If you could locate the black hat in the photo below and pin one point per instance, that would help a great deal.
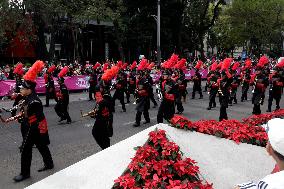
(28, 85)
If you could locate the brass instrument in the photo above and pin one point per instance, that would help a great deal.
(254, 84)
(159, 92)
(91, 113)
(15, 107)
(220, 90)
(14, 118)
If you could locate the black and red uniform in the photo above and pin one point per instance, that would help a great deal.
(35, 132)
(167, 106)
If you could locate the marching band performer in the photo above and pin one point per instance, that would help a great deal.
(49, 85)
(131, 81)
(197, 81)
(103, 111)
(142, 95)
(245, 77)
(62, 98)
(119, 90)
(93, 80)
(213, 86)
(150, 84)
(19, 72)
(259, 83)
(276, 81)
(224, 83)
(33, 123)
(167, 106)
(235, 84)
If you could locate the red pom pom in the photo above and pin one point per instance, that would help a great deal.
(110, 73)
(97, 65)
(143, 64)
(213, 67)
(133, 66)
(235, 66)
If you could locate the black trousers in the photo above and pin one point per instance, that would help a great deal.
(139, 114)
(62, 111)
(270, 100)
(152, 98)
(233, 97)
(102, 140)
(120, 96)
(166, 111)
(223, 113)
(197, 89)
(26, 156)
(245, 93)
(256, 109)
(91, 92)
(212, 100)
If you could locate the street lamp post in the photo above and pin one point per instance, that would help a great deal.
(159, 34)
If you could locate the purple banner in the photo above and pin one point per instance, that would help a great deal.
(73, 83)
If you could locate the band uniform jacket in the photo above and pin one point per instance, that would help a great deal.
(259, 84)
(142, 92)
(103, 123)
(34, 123)
(276, 85)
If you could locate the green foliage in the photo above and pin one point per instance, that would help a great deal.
(258, 22)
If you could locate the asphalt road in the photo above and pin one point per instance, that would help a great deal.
(74, 142)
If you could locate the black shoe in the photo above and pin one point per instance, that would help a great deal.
(145, 122)
(61, 119)
(124, 110)
(268, 110)
(192, 97)
(21, 177)
(136, 125)
(201, 97)
(45, 168)
(235, 102)
(90, 99)
(68, 122)
(209, 108)
(128, 101)
(242, 100)
(46, 105)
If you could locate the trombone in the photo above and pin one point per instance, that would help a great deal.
(14, 118)
(15, 107)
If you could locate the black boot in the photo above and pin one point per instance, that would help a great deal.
(45, 167)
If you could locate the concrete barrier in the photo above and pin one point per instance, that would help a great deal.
(222, 162)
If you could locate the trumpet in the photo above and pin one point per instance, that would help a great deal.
(21, 103)
(91, 113)
(14, 118)
(220, 90)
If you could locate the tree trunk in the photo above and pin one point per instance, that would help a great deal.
(52, 44)
(118, 40)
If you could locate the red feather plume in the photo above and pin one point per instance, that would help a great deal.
(36, 68)
(235, 66)
(51, 69)
(219, 65)
(280, 64)
(110, 73)
(263, 61)
(199, 65)
(120, 64)
(105, 67)
(133, 66)
(150, 67)
(181, 63)
(214, 66)
(124, 66)
(248, 64)
(226, 63)
(63, 72)
(97, 65)
(18, 68)
(142, 64)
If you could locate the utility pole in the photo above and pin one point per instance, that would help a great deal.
(159, 34)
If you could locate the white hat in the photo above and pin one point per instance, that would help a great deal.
(275, 131)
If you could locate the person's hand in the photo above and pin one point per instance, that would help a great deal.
(237, 187)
